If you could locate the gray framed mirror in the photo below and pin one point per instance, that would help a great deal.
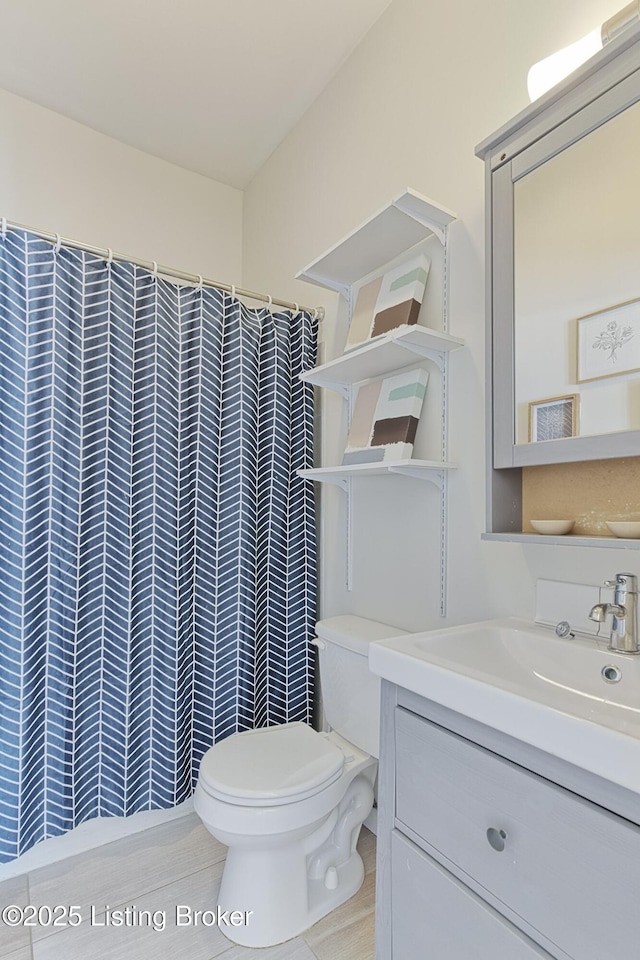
(563, 206)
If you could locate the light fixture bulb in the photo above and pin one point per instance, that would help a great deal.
(546, 73)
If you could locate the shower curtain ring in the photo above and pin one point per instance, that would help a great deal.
(56, 249)
(109, 256)
(155, 269)
(200, 282)
(296, 306)
(269, 303)
(233, 290)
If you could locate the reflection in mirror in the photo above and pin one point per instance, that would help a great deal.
(577, 287)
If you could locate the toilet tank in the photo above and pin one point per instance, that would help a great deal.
(350, 692)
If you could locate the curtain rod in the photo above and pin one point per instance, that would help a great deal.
(156, 268)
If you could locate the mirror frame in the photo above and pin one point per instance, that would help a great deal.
(608, 84)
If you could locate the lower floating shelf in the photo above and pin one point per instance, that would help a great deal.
(567, 539)
(431, 470)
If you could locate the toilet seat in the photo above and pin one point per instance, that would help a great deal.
(288, 802)
(271, 766)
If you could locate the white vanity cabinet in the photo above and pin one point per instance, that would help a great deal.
(490, 850)
(436, 916)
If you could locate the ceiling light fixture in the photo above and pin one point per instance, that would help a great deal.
(546, 73)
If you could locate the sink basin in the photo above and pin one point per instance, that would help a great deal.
(522, 679)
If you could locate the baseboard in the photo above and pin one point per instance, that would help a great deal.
(88, 836)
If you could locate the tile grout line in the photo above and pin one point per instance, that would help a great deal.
(310, 948)
(28, 885)
(129, 900)
(99, 848)
(96, 852)
(202, 870)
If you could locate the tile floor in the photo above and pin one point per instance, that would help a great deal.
(175, 863)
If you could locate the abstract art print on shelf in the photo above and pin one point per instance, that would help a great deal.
(555, 418)
(385, 418)
(388, 301)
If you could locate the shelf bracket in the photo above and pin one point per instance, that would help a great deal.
(436, 477)
(438, 231)
(329, 283)
(342, 388)
(342, 482)
(436, 355)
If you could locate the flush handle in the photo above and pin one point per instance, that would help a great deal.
(496, 838)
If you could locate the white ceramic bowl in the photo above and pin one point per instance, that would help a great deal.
(552, 527)
(624, 528)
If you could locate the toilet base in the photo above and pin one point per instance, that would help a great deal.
(350, 879)
(285, 885)
(275, 922)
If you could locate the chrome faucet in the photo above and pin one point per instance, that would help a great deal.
(624, 611)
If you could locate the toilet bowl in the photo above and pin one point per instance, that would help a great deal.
(289, 801)
(292, 854)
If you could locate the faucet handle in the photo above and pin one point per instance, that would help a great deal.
(628, 580)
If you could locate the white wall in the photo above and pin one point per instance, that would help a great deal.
(428, 82)
(60, 176)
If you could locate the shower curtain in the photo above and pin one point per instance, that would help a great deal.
(157, 551)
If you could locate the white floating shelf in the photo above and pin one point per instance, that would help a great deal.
(407, 220)
(431, 470)
(392, 351)
(567, 540)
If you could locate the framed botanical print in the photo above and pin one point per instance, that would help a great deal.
(609, 342)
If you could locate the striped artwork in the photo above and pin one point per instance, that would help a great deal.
(385, 418)
(389, 301)
(158, 553)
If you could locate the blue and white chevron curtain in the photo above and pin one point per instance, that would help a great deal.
(157, 587)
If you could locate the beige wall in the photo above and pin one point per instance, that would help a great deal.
(429, 81)
(61, 176)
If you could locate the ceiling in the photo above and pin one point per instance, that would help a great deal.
(211, 85)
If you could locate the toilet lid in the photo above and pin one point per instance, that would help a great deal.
(271, 765)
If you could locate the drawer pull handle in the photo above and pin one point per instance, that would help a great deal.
(496, 838)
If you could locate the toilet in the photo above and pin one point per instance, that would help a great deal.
(289, 801)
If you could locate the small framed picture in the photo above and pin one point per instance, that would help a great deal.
(554, 418)
(609, 342)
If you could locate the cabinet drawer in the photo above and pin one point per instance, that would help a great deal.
(568, 867)
(436, 916)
